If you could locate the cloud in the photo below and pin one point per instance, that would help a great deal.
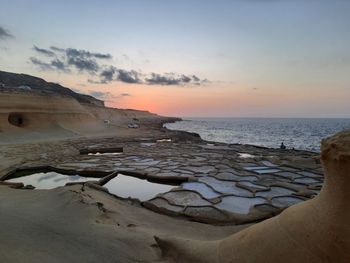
(72, 52)
(58, 64)
(185, 79)
(107, 74)
(92, 81)
(43, 51)
(80, 53)
(162, 79)
(172, 79)
(41, 64)
(82, 60)
(131, 76)
(58, 49)
(195, 78)
(70, 59)
(5, 33)
(55, 64)
(82, 64)
(113, 74)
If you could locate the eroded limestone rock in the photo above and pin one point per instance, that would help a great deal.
(313, 231)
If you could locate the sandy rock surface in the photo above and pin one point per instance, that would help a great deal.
(313, 231)
(213, 184)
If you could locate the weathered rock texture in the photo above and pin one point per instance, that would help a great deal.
(215, 185)
(313, 231)
(32, 109)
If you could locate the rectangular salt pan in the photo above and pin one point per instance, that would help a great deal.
(239, 205)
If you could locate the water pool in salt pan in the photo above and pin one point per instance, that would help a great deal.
(128, 186)
(50, 180)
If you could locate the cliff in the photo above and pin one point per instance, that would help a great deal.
(32, 109)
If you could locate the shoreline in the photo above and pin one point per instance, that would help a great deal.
(252, 131)
(238, 144)
(123, 224)
(190, 140)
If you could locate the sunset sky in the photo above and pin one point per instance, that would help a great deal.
(237, 58)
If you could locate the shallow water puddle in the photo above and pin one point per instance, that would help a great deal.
(239, 205)
(147, 144)
(275, 191)
(201, 188)
(285, 201)
(262, 169)
(50, 180)
(164, 140)
(245, 155)
(225, 187)
(107, 154)
(128, 186)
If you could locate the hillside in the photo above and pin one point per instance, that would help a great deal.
(13, 82)
(32, 109)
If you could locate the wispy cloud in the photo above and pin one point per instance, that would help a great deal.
(70, 59)
(172, 79)
(4, 33)
(72, 52)
(83, 64)
(132, 76)
(107, 75)
(55, 64)
(66, 58)
(112, 73)
(60, 65)
(126, 76)
(57, 49)
(44, 51)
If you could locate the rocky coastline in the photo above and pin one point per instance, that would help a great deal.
(216, 189)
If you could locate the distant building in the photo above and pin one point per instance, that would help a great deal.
(133, 126)
(24, 87)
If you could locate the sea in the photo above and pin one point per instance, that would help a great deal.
(301, 134)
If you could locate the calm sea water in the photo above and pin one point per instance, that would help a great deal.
(303, 134)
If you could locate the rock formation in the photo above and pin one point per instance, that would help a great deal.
(317, 230)
(33, 109)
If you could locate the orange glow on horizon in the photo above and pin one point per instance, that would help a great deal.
(224, 100)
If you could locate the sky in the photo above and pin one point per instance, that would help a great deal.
(188, 58)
